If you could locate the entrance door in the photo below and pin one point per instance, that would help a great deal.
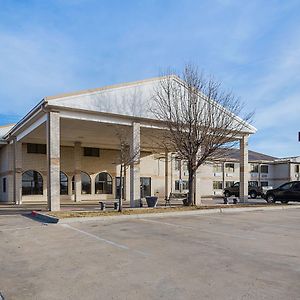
(145, 186)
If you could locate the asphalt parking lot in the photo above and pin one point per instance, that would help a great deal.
(249, 255)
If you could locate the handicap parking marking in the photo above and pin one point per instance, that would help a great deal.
(112, 243)
(199, 230)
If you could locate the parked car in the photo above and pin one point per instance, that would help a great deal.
(289, 191)
(253, 190)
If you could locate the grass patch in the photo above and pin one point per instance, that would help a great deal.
(135, 211)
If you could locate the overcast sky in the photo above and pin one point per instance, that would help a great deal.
(253, 47)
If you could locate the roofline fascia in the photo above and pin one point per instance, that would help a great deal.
(17, 126)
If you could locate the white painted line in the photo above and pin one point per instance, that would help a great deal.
(18, 228)
(200, 230)
(102, 239)
(195, 228)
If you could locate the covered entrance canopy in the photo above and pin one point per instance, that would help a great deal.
(97, 118)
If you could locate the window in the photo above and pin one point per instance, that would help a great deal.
(85, 183)
(253, 183)
(264, 183)
(296, 186)
(217, 185)
(118, 188)
(184, 167)
(264, 169)
(254, 168)
(184, 185)
(63, 184)
(286, 186)
(297, 168)
(91, 151)
(145, 186)
(32, 183)
(177, 164)
(103, 183)
(4, 185)
(229, 184)
(217, 168)
(229, 168)
(36, 148)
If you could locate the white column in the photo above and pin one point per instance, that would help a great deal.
(53, 160)
(244, 169)
(166, 175)
(77, 168)
(135, 192)
(17, 169)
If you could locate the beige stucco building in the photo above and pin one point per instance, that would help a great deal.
(67, 147)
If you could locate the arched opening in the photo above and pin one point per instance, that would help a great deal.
(85, 183)
(32, 183)
(63, 183)
(103, 183)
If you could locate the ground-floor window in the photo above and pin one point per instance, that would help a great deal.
(63, 183)
(184, 185)
(4, 185)
(32, 183)
(229, 184)
(103, 183)
(85, 183)
(264, 183)
(118, 188)
(217, 185)
(145, 186)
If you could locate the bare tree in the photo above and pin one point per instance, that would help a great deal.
(126, 157)
(202, 119)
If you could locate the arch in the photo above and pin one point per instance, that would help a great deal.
(85, 183)
(103, 183)
(32, 183)
(63, 183)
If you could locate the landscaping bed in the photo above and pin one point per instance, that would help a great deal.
(136, 211)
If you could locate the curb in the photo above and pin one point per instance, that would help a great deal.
(48, 219)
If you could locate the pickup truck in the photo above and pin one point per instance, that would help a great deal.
(253, 190)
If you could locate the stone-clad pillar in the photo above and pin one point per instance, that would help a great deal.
(53, 161)
(135, 184)
(244, 169)
(77, 167)
(17, 163)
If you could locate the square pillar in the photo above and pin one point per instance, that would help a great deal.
(244, 169)
(77, 168)
(17, 171)
(53, 161)
(135, 184)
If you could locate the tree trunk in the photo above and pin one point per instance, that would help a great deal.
(191, 186)
(121, 189)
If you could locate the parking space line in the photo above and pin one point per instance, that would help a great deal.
(198, 229)
(120, 246)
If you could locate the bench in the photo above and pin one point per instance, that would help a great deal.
(176, 197)
(226, 200)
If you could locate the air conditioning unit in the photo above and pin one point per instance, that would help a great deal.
(186, 173)
(297, 175)
(217, 174)
(229, 174)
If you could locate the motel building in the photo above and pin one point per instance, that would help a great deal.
(67, 149)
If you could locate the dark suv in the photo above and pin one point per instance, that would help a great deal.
(253, 190)
(289, 191)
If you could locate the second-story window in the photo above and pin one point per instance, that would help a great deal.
(88, 151)
(217, 168)
(36, 148)
(229, 168)
(297, 168)
(254, 168)
(264, 169)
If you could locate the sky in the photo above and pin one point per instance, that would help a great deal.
(252, 47)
